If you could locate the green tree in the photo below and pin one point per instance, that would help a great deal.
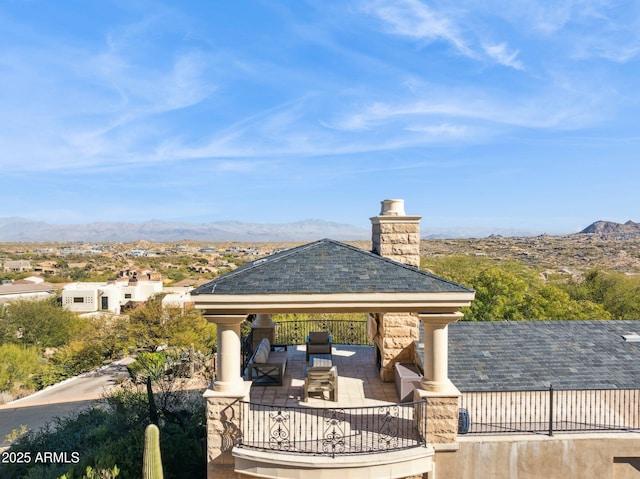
(500, 296)
(39, 323)
(515, 292)
(617, 293)
(153, 326)
(550, 302)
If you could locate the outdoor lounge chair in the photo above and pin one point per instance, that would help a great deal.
(321, 379)
(318, 342)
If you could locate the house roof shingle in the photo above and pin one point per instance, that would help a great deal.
(327, 266)
(498, 356)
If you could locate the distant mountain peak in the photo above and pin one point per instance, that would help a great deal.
(611, 228)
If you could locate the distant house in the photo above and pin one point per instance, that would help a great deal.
(177, 297)
(17, 266)
(112, 296)
(141, 274)
(25, 290)
(46, 267)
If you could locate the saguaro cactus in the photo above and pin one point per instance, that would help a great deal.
(152, 462)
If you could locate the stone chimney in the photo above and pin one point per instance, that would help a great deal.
(395, 235)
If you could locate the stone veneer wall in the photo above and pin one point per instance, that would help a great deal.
(397, 335)
(396, 240)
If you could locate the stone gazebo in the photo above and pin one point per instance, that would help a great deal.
(328, 276)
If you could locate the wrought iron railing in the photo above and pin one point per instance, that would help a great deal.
(295, 332)
(246, 349)
(332, 431)
(552, 410)
(341, 331)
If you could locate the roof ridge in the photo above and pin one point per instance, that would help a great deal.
(404, 265)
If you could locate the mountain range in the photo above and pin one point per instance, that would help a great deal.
(17, 229)
(23, 230)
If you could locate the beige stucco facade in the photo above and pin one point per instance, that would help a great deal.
(567, 456)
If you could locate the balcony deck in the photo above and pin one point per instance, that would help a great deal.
(359, 382)
(365, 433)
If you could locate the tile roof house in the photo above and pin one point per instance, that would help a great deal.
(16, 266)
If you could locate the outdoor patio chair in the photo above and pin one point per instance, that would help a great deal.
(321, 379)
(318, 342)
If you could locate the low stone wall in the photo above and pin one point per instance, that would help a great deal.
(567, 456)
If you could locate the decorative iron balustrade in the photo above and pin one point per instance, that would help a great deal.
(295, 332)
(341, 331)
(246, 350)
(552, 410)
(332, 431)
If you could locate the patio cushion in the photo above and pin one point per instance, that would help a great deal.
(319, 337)
(266, 343)
(262, 354)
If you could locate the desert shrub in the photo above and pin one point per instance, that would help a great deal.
(113, 434)
(18, 365)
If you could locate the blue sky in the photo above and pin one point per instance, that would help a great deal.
(493, 114)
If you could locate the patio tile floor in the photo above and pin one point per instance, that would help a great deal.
(359, 382)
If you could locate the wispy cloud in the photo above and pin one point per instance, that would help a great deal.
(460, 112)
(417, 20)
(582, 29)
(93, 105)
(503, 56)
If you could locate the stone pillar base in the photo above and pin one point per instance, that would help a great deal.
(223, 430)
(442, 416)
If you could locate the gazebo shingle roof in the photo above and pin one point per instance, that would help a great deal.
(327, 266)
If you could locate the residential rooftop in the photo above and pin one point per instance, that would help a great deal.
(498, 356)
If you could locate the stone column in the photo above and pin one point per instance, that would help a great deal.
(396, 236)
(441, 394)
(223, 406)
(228, 374)
(263, 327)
(436, 349)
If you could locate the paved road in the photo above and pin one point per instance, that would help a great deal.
(60, 400)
